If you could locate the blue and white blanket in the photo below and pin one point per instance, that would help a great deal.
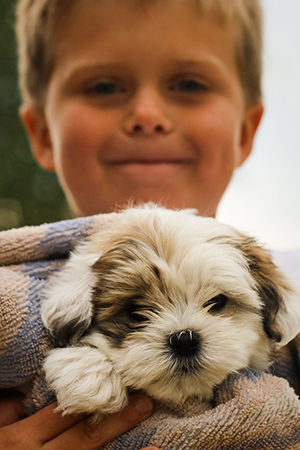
(250, 410)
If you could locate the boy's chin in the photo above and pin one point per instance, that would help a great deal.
(159, 199)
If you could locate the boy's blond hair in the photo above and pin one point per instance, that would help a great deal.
(37, 22)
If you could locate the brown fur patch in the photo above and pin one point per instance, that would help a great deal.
(271, 283)
(129, 289)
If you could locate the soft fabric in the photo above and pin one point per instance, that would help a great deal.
(250, 410)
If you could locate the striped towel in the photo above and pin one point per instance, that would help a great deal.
(250, 410)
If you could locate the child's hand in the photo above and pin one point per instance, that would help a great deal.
(49, 430)
(11, 410)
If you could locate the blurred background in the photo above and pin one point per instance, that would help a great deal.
(262, 199)
(28, 195)
(264, 196)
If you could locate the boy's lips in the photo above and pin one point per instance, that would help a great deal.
(146, 156)
(143, 159)
(146, 153)
(152, 167)
(149, 162)
(147, 170)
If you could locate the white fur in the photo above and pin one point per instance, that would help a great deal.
(70, 291)
(198, 258)
(85, 380)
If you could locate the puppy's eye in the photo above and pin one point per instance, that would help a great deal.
(216, 304)
(135, 313)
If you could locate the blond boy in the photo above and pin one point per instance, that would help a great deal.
(141, 100)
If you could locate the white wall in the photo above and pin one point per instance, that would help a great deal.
(264, 196)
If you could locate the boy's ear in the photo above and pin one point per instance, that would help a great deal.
(251, 122)
(37, 130)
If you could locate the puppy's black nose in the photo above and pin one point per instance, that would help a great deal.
(185, 342)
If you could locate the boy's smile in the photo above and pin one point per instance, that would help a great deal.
(144, 104)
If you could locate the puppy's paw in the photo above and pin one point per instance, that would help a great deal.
(66, 307)
(84, 381)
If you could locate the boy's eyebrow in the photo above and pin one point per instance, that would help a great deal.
(205, 64)
(191, 62)
(83, 68)
(208, 63)
(176, 62)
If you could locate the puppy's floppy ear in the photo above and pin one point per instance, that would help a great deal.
(281, 302)
(66, 308)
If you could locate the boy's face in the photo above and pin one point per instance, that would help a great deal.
(144, 104)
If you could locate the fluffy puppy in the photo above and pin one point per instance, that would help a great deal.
(166, 302)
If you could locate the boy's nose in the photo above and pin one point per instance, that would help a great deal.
(147, 116)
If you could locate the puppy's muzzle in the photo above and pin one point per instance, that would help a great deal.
(185, 343)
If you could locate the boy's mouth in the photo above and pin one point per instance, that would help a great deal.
(144, 170)
(150, 164)
(148, 160)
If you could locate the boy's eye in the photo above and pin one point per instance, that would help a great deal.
(106, 88)
(188, 86)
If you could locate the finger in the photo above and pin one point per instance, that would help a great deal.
(47, 424)
(37, 429)
(87, 436)
(150, 448)
(11, 410)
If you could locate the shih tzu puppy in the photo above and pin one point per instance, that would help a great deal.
(165, 302)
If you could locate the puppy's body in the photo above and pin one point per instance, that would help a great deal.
(165, 302)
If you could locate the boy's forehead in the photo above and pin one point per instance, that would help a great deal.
(169, 16)
(147, 8)
(111, 32)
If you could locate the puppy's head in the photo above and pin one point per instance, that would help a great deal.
(179, 302)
